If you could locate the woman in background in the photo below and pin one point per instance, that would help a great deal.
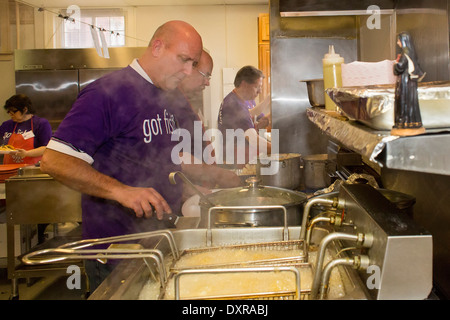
(27, 133)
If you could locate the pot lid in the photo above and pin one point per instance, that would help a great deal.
(255, 194)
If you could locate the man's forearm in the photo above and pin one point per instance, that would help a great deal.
(263, 107)
(79, 175)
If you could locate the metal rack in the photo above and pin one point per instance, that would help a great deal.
(77, 250)
(273, 295)
(428, 153)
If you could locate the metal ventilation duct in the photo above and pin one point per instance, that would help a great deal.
(299, 8)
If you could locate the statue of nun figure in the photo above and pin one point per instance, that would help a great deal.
(408, 121)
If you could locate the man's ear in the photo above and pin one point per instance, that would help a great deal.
(157, 47)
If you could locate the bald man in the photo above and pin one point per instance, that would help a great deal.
(197, 159)
(200, 78)
(192, 86)
(114, 145)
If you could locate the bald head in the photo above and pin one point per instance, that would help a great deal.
(170, 31)
(206, 61)
(173, 51)
(200, 77)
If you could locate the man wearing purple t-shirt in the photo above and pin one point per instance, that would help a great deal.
(186, 117)
(234, 114)
(115, 144)
(200, 154)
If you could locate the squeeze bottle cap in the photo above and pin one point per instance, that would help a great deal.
(331, 56)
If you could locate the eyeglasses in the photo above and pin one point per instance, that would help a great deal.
(11, 111)
(207, 77)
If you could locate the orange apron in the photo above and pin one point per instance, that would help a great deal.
(19, 142)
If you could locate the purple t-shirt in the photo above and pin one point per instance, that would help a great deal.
(233, 114)
(187, 119)
(122, 122)
(42, 130)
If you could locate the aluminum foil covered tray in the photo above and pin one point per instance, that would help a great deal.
(374, 105)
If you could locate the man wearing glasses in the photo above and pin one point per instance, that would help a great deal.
(190, 91)
(234, 116)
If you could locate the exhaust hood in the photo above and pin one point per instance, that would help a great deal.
(308, 8)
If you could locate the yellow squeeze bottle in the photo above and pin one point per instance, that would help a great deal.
(332, 74)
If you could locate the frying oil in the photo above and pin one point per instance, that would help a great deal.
(240, 283)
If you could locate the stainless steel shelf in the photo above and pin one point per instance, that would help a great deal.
(429, 153)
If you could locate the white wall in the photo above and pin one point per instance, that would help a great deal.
(7, 87)
(229, 32)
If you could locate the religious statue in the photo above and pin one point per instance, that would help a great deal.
(408, 121)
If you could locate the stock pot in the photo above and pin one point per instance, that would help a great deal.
(253, 195)
(287, 168)
(315, 171)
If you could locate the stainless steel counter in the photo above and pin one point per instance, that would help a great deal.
(429, 153)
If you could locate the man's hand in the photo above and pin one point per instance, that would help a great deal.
(145, 202)
(262, 123)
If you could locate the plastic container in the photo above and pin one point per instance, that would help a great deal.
(332, 74)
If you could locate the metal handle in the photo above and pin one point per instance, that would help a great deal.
(236, 270)
(129, 237)
(75, 251)
(186, 180)
(209, 232)
(269, 163)
(235, 224)
(59, 255)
